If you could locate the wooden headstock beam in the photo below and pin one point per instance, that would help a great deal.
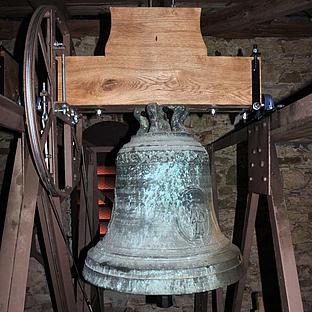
(157, 55)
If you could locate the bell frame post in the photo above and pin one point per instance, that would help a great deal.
(285, 125)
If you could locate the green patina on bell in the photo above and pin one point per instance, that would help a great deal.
(163, 237)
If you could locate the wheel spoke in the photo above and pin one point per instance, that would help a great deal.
(64, 118)
(46, 131)
(45, 55)
(51, 52)
(54, 153)
(75, 142)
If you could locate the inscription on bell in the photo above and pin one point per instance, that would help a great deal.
(193, 224)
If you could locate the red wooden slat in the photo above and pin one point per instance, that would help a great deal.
(104, 170)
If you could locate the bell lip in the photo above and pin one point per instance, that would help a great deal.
(144, 285)
(203, 257)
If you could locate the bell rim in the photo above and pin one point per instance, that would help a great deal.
(207, 255)
(181, 284)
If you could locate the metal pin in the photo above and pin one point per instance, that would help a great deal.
(58, 44)
(256, 106)
(38, 104)
(63, 79)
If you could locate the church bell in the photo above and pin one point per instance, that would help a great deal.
(163, 237)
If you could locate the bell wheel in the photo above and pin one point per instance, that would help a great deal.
(53, 127)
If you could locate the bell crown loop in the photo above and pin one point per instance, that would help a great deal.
(155, 118)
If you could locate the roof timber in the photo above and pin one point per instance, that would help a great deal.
(91, 27)
(227, 19)
(58, 3)
(250, 12)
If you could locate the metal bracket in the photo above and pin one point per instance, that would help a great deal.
(255, 64)
(259, 157)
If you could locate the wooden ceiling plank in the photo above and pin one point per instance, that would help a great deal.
(252, 12)
(15, 12)
(8, 29)
(57, 3)
(81, 28)
(96, 7)
(274, 29)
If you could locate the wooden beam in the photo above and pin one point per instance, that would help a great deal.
(14, 11)
(10, 72)
(78, 28)
(233, 137)
(17, 234)
(155, 31)
(11, 228)
(91, 27)
(252, 12)
(95, 8)
(57, 289)
(283, 246)
(293, 122)
(11, 115)
(99, 80)
(245, 247)
(156, 55)
(281, 29)
(57, 3)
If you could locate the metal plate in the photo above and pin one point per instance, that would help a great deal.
(259, 157)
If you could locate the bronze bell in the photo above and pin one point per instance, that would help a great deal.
(163, 237)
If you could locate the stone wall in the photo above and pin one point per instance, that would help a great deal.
(286, 68)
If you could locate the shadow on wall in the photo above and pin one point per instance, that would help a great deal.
(105, 27)
(19, 48)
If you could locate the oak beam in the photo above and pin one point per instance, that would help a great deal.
(250, 13)
(11, 115)
(91, 27)
(293, 122)
(17, 234)
(280, 28)
(11, 229)
(283, 247)
(57, 3)
(109, 81)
